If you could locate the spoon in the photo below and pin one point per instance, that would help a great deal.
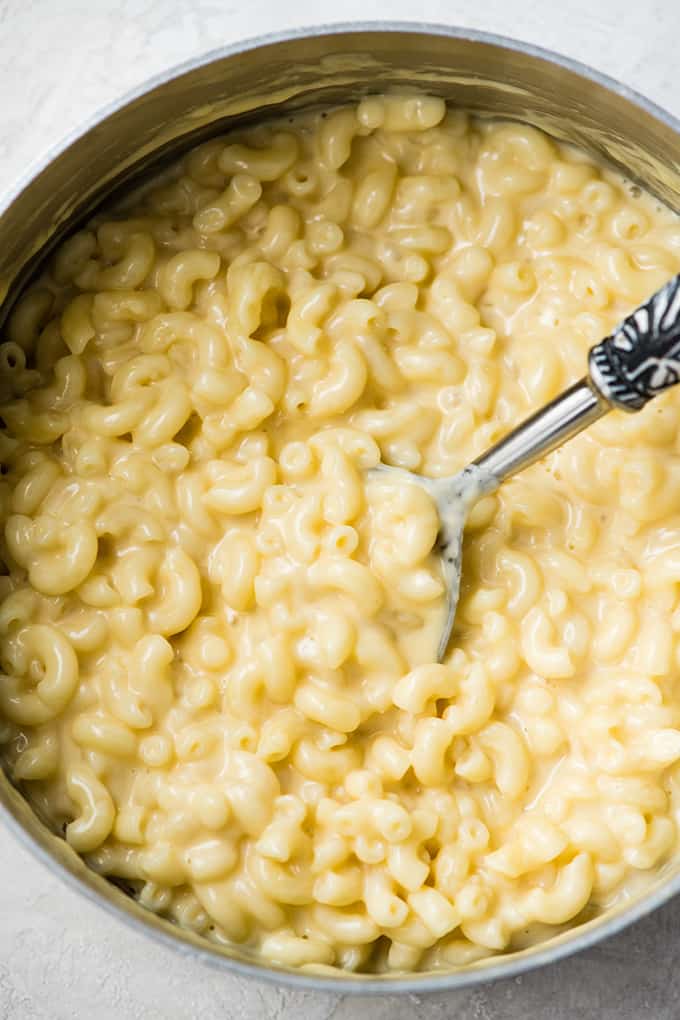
(637, 361)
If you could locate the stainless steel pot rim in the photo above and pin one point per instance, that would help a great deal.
(336, 28)
(496, 968)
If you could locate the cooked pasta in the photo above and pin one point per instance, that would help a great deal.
(217, 636)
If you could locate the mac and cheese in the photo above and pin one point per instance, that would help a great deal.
(217, 638)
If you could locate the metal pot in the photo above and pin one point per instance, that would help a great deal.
(270, 77)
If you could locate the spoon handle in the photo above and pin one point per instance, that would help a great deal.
(639, 360)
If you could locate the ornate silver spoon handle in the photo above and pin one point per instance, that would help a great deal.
(639, 360)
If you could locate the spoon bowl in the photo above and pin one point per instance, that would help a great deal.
(453, 499)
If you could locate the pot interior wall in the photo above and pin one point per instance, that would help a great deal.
(278, 77)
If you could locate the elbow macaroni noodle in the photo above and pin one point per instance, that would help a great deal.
(216, 638)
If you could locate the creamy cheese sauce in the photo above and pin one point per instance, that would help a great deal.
(218, 635)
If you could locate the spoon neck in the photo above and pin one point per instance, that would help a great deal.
(565, 416)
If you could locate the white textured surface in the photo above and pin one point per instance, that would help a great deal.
(60, 957)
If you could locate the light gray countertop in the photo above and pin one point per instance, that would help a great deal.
(61, 958)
